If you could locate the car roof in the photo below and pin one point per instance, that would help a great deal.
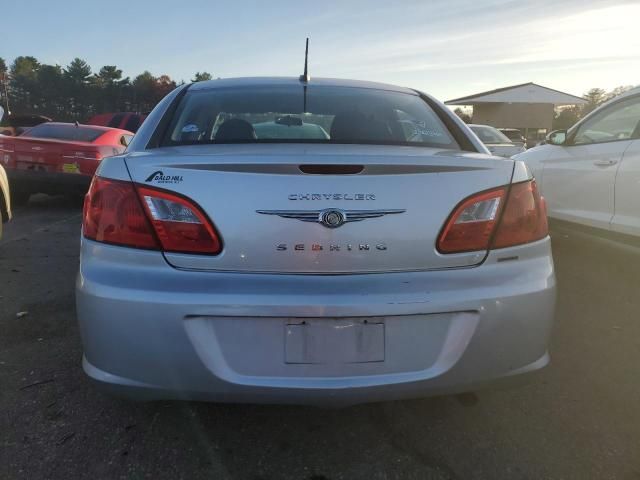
(617, 98)
(284, 81)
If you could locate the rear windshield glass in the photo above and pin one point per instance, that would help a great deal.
(285, 114)
(490, 135)
(64, 132)
(512, 134)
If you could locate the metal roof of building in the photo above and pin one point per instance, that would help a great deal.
(523, 93)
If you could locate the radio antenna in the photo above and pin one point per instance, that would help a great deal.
(305, 76)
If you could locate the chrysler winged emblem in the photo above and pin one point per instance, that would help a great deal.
(330, 217)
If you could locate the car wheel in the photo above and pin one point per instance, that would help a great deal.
(20, 197)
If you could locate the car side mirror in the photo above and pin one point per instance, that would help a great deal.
(557, 137)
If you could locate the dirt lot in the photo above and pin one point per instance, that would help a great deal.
(579, 419)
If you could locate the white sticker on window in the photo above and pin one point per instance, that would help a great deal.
(190, 128)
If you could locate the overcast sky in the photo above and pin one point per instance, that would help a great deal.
(449, 48)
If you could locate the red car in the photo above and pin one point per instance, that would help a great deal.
(58, 158)
(125, 120)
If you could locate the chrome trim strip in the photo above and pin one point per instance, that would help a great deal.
(318, 216)
(73, 157)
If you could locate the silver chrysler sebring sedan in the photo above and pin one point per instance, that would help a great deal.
(276, 240)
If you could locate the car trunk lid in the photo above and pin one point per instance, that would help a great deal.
(267, 201)
(505, 149)
(54, 156)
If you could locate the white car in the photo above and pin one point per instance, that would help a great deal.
(496, 141)
(590, 174)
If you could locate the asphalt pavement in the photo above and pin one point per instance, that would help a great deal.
(578, 419)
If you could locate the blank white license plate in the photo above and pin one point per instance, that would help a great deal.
(326, 341)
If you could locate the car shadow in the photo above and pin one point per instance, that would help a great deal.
(41, 201)
(280, 441)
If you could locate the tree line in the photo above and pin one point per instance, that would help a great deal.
(567, 116)
(75, 92)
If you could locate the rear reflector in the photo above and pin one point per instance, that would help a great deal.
(499, 218)
(116, 212)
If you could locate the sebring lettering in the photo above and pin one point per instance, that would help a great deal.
(332, 247)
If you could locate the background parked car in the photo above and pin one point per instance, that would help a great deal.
(590, 173)
(497, 143)
(125, 120)
(58, 157)
(13, 125)
(515, 135)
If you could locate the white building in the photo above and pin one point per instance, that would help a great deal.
(528, 107)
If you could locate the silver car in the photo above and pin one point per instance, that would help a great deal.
(496, 141)
(272, 240)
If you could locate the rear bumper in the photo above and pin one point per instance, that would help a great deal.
(33, 181)
(153, 332)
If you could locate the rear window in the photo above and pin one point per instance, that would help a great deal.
(284, 114)
(116, 120)
(512, 134)
(490, 135)
(64, 132)
(133, 123)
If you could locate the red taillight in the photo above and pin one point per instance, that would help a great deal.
(524, 219)
(509, 216)
(180, 225)
(471, 224)
(116, 212)
(6, 152)
(113, 214)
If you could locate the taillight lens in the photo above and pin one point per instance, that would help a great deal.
(498, 218)
(116, 212)
(113, 214)
(472, 223)
(524, 219)
(180, 225)
(6, 152)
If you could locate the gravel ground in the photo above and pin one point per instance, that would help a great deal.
(579, 419)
